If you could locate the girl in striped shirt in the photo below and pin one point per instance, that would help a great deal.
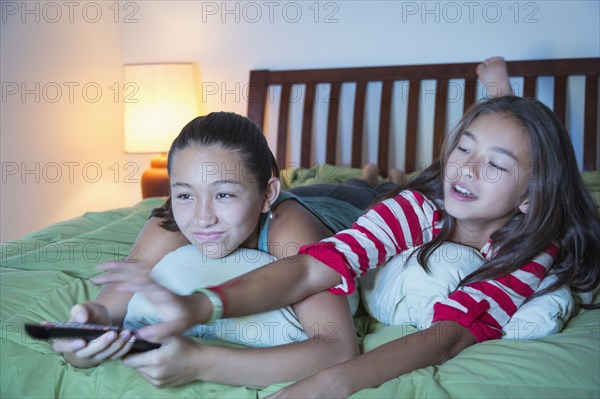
(506, 184)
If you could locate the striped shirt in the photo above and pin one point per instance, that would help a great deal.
(410, 220)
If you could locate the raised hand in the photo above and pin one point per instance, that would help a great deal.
(177, 312)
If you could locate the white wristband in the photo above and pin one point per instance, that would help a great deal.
(217, 311)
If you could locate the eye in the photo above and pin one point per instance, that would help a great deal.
(224, 196)
(496, 166)
(183, 196)
(462, 149)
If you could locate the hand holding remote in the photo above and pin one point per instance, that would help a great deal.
(88, 332)
(111, 344)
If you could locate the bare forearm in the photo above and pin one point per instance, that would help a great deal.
(432, 346)
(266, 366)
(327, 321)
(277, 285)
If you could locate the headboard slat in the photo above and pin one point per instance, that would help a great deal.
(470, 91)
(357, 125)
(529, 86)
(414, 94)
(385, 114)
(332, 123)
(590, 127)
(257, 96)
(282, 126)
(560, 97)
(439, 123)
(307, 120)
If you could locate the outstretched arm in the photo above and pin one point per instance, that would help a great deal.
(432, 346)
(276, 285)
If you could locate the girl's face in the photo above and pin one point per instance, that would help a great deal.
(486, 175)
(216, 202)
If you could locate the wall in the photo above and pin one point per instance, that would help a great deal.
(62, 89)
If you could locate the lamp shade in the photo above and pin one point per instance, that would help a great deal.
(163, 98)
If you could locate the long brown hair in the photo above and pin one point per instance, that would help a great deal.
(560, 210)
(229, 131)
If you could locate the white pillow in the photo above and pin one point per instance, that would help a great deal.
(402, 292)
(186, 269)
(542, 316)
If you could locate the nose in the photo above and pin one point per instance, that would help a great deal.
(204, 214)
(471, 168)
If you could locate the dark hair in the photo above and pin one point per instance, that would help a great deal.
(560, 209)
(231, 132)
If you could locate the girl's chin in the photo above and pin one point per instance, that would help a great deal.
(453, 210)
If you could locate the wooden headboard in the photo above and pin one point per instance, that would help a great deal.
(262, 80)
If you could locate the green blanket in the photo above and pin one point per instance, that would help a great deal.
(45, 273)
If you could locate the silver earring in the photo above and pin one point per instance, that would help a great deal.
(270, 214)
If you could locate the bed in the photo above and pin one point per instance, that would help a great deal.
(311, 137)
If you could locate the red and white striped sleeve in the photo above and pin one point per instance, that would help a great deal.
(484, 307)
(394, 225)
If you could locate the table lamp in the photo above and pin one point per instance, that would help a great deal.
(162, 99)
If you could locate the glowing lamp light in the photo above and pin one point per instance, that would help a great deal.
(162, 99)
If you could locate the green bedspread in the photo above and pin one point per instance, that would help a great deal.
(45, 273)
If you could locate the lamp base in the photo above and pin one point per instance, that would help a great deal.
(155, 181)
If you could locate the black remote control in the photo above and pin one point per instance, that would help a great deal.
(87, 332)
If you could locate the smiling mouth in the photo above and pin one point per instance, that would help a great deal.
(213, 236)
(462, 191)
